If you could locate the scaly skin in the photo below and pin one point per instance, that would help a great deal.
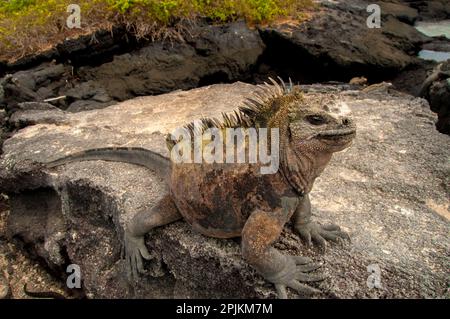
(236, 200)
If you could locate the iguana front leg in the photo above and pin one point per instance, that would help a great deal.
(163, 213)
(261, 230)
(311, 231)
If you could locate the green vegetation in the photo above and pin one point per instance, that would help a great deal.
(27, 26)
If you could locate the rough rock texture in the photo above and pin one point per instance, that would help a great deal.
(430, 9)
(411, 79)
(91, 49)
(30, 113)
(401, 11)
(440, 43)
(39, 83)
(390, 190)
(438, 95)
(3, 127)
(17, 269)
(440, 103)
(209, 54)
(213, 54)
(2, 118)
(336, 44)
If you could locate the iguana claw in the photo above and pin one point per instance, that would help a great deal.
(134, 251)
(313, 232)
(293, 274)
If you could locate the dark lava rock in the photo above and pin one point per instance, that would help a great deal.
(403, 36)
(389, 190)
(3, 129)
(92, 49)
(56, 84)
(400, 11)
(436, 89)
(87, 96)
(431, 10)
(411, 79)
(30, 113)
(336, 44)
(34, 85)
(438, 44)
(212, 54)
(95, 49)
(5, 290)
(2, 117)
(440, 103)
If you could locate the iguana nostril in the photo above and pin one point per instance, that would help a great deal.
(346, 121)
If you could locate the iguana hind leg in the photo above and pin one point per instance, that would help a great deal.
(261, 230)
(311, 231)
(163, 213)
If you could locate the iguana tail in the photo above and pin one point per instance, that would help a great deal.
(132, 155)
(42, 294)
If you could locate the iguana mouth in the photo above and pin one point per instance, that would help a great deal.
(337, 134)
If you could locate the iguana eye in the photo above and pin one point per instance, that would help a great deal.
(316, 119)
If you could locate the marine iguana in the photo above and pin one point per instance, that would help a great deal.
(236, 200)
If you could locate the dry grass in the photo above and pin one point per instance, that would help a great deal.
(30, 26)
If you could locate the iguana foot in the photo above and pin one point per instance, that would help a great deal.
(295, 271)
(134, 250)
(321, 233)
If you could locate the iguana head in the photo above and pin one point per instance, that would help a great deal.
(314, 128)
(307, 122)
(310, 129)
(313, 133)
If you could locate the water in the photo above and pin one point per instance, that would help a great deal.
(434, 29)
(438, 56)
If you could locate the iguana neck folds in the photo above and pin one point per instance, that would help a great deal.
(301, 169)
